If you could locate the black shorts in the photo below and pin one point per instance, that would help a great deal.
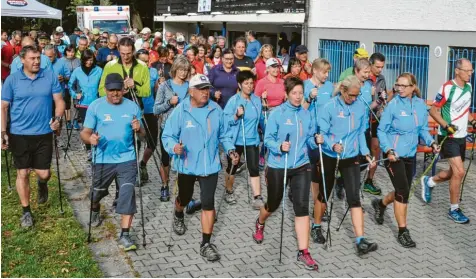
(314, 159)
(153, 125)
(67, 99)
(453, 147)
(252, 156)
(32, 151)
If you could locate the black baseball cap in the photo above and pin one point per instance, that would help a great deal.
(76, 29)
(114, 81)
(301, 49)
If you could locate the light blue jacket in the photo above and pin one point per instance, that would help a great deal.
(324, 94)
(300, 125)
(251, 119)
(87, 84)
(365, 97)
(149, 101)
(342, 123)
(200, 139)
(403, 122)
(61, 68)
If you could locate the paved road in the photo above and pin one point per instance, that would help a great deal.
(444, 249)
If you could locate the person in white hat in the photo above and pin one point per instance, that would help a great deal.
(145, 37)
(157, 35)
(64, 37)
(196, 157)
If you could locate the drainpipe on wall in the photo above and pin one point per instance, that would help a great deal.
(305, 29)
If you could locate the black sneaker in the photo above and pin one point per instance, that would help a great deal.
(42, 193)
(179, 225)
(164, 194)
(365, 247)
(379, 211)
(193, 206)
(317, 236)
(210, 252)
(405, 240)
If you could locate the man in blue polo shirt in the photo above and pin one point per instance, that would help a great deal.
(17, 63)
(61, 70)
(28, 96)
(109, 125)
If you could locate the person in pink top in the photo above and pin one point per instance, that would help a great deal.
(265, 53)
(272, 93)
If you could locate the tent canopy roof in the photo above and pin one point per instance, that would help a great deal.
(29, 8)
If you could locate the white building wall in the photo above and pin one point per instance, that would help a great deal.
(437, 15)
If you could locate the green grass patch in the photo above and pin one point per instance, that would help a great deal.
(56, 246)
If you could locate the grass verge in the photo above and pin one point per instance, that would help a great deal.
(56, 246)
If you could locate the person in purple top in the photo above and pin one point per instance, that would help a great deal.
(223, 79)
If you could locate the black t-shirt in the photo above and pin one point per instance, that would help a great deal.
(246, 63)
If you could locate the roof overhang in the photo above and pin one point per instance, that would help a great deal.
(272, 18)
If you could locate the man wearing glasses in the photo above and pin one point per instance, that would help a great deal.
(451, 109)
(108, 51)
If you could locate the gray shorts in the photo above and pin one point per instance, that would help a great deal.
(126, 174)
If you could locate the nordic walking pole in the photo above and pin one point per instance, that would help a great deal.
(244, 152)
(140, 185)
(223, 195)
(467, 170)
(328, 238)
(69, 133)
(174, 193)
(284, 194)
(93, 166)
(5, 154)
(55, 138)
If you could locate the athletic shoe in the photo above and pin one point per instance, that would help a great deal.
(144, 176)
(26, 220)
(257, 203)
(258, 235)
(209, 252)
(42, 193)
(76, 125)
(126, 243)
(90, 156)
(458, 216)
(193, 206)
(369, 187)
(426, 189)
(365, 247)
(405, 240)
(261, 163)
(230, 198)
(340, 188)
(179, 225)
(317, 236)
(96, 219)
(68, 125)
(240, 168)
(305, 259)
(164, 194)
(379, 211)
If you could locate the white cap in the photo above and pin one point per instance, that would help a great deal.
(180, 39)
(199, 81)
(146, 30)
(158, 35)
(59, 29)
(271, 62)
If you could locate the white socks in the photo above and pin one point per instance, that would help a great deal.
(454, 207)
(431, 183)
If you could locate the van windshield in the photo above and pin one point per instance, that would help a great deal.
(112, 26)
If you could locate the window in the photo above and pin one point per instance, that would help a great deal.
(112, 26)
(456, 53)
(340, 54)
(400, 58)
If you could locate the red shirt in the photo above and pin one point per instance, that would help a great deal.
(304, 75)
(8, 52)
(275, 91)
(198, 65)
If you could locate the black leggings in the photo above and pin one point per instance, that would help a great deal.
(165, 156)
(153, 128)
(298, 179)
(401, 175)
(350, 172)
(252, 154)
(208, 185)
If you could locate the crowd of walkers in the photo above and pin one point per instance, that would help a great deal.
(275, 110)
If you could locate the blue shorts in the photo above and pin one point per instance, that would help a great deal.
(126, 174)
